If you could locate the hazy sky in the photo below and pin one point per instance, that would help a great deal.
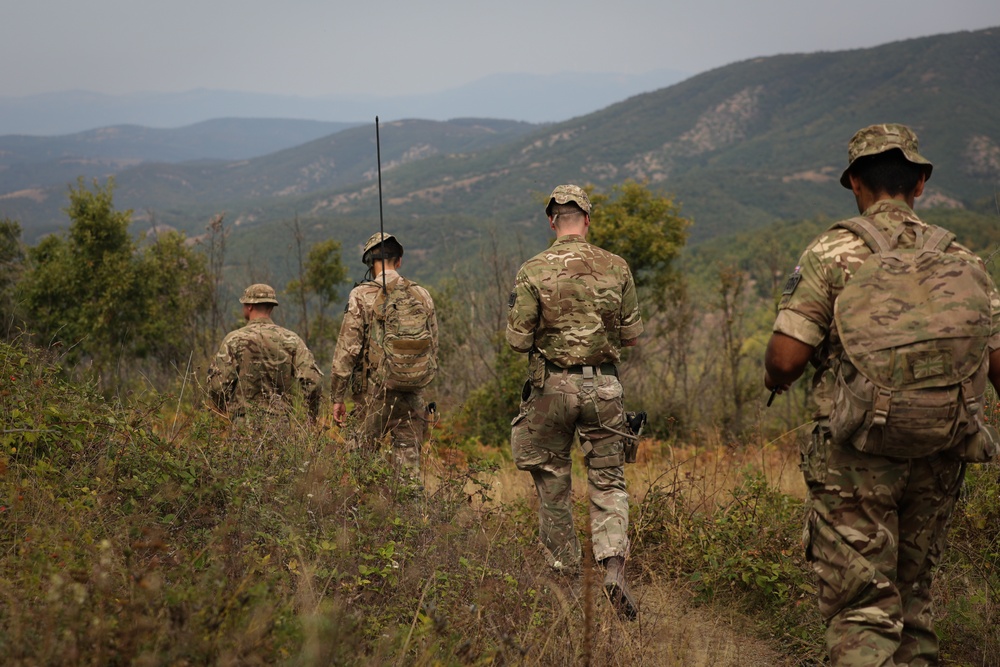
(320, 47)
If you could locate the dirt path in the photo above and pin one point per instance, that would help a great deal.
(672, 630)
(688, 636)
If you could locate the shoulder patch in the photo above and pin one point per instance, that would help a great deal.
(511, 299)
(792, 282)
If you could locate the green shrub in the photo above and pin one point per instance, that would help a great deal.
(742, 550)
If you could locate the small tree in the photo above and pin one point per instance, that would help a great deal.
(643, 228)
(81, 289)
(11, 265)
(178, 293)
(321, 277)
(95, 292)
(215, 243)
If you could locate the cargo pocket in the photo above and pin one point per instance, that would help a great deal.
(527, 455)
(843, 571)
(609, 388)
(610, 402)
(813, 454)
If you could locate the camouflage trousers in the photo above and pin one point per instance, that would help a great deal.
(541, 438)
(396, 418)
(875, 532)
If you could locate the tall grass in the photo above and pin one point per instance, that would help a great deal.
(138, 533)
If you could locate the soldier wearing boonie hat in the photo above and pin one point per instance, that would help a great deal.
(259, 293)
(258, 365)
(876, 139)
(565, 194)
(574, 343)
(877, 524)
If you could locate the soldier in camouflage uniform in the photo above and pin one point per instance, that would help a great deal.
(876, 526)
(573, 308)
(258, 364)
(379, 411)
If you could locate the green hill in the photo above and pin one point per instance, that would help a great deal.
(186, 195)
(741, 146)
(746, 144)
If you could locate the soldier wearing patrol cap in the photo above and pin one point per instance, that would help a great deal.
(385, 409)
(877, 524)
(572, 309)
(257, 365)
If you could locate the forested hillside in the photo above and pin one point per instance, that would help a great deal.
(739, 147)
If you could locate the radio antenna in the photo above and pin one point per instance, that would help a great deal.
(381, 224)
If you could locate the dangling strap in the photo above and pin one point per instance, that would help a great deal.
(972, 404)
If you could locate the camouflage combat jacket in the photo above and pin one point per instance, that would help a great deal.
(806, 308)
(349, 368)
(574, 303)
(258, 365)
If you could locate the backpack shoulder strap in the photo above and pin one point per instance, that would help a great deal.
(939, 239)
(873, 237)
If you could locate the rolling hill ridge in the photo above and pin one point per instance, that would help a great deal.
(740, 147)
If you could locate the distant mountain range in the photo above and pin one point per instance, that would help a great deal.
(33, 162)
(35, 194)
(523, 97)
(740, 147)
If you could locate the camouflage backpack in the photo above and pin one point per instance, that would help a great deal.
(401, 352)
(914, 324)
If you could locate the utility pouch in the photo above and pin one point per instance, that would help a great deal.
(981, 447)
(631, 449)
(636, 421)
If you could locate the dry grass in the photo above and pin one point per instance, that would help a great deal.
(131, 538)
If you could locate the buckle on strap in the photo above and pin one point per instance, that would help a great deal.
(588, 377)
(880, 407)
(972, 404)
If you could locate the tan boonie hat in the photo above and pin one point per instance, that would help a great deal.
(876, 139)
(259, 293)
(375, 239)
(563, 194)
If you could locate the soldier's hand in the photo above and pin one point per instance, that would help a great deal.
(339, 412)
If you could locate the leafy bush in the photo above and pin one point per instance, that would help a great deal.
(743, 550)
(489, 409)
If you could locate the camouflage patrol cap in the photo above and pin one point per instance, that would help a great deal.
(563, 194)
(376, 239)
(259, 293)
(876, 139)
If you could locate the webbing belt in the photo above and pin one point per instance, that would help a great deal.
(606, 368)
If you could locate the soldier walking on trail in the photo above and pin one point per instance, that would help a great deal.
(573, 308)
(903, 326)
(258, 365)
(386, 354)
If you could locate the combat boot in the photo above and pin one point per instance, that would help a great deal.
(616, 588)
